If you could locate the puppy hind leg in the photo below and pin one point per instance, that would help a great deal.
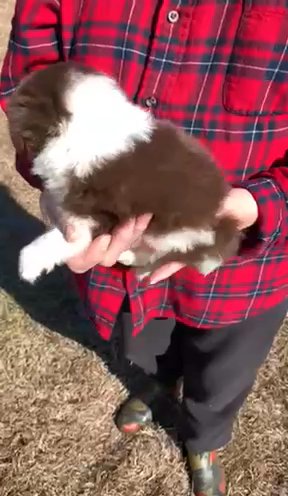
(49, 250)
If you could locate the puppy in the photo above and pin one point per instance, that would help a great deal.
(104, 160)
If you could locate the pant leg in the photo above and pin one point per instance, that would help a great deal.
(151, 343)
(220, 368)
(156, 349)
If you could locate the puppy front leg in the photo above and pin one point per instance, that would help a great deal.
(138, 256)
(49, 250)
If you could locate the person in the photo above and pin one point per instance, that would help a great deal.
(218, 70)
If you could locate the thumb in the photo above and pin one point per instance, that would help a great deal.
(70, 233)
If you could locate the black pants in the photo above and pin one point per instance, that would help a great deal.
(218, 367)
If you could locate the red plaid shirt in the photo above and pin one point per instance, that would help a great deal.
(219, 70)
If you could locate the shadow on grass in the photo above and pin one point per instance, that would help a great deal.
(53, 303)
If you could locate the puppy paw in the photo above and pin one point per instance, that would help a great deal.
(127, 258)
(32, 263)
(142, 273)
(209, 264)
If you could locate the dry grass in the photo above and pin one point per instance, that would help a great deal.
(57, 436)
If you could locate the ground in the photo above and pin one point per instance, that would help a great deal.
(59, 387)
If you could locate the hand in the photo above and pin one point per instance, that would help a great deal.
(105, 249)
(240, 205)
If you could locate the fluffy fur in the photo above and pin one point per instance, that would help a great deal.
(105, 160)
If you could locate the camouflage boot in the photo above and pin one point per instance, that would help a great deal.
(207, 474)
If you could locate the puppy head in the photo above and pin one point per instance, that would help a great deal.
(71, 118)
(37, 108)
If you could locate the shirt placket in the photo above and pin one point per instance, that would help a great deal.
(172, 29)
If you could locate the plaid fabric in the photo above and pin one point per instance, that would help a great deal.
(219, 70)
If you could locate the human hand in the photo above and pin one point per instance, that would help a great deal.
(238, 204)
(105, 249)
(241, 206)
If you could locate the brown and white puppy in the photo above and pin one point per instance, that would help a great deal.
(105, 160)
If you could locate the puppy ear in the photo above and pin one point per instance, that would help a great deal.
(19, 124)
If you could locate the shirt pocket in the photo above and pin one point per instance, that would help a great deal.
(256, 82)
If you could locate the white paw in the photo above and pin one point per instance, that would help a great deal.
(141, 273)
(32, 263)
(127, 258)
(208, 265)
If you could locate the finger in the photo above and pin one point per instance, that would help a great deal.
(142, 223)
(165, 271)
(94, 255)
(107, 252)
(70, 233)
(121, 241)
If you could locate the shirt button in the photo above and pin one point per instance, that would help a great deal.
(173, 16)
(151, 102)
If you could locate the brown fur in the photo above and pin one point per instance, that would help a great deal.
(226, 245)
(172, 176)
(37, 107)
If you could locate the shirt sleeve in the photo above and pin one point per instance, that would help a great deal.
(270, 190)
(33, 44)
